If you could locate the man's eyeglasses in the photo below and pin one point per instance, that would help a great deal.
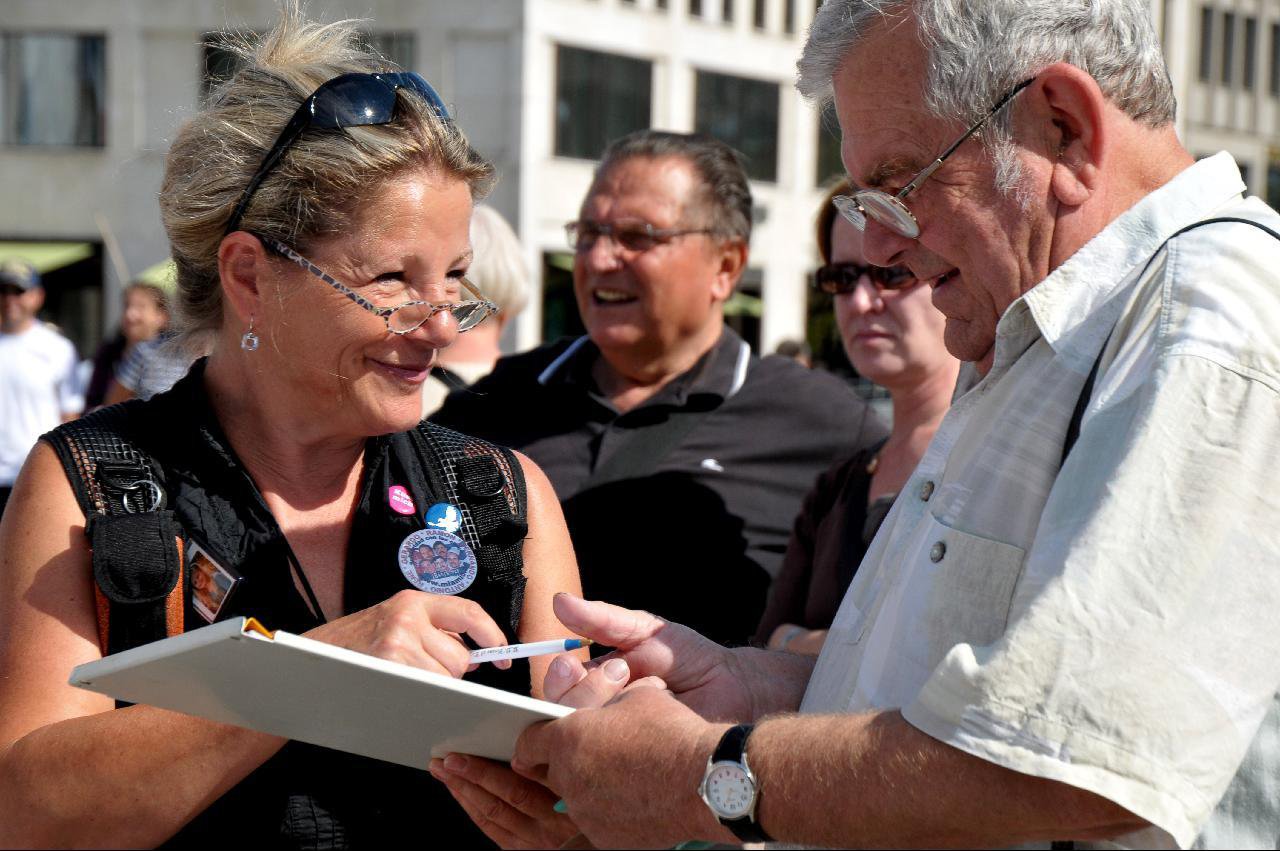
(403, 318)
(840, 278)
(889, 210)
(633, 236)
(349, 100)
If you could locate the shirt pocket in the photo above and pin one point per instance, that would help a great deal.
(961, 588)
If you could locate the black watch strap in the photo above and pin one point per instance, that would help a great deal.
(732, 748)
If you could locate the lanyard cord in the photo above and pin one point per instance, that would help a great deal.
(301, 577)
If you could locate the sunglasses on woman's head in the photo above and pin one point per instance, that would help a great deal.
(838, 278)
(350, 100)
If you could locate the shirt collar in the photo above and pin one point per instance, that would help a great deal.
(720, 372)
(1075, 307)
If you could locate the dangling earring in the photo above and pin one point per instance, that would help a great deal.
(249, 342)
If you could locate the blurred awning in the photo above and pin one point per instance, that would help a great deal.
(163, 275)
(47, 256)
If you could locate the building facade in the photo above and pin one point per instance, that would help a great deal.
(91, 91)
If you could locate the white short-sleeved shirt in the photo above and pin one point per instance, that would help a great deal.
(38, 386)
(1116, 625)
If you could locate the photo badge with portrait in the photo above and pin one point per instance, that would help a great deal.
(438, 562)
(211, 583)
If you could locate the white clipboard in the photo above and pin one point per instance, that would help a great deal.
(238, 672)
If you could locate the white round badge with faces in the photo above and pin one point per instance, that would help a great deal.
(438, 562)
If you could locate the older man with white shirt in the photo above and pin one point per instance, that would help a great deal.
(1066, 627)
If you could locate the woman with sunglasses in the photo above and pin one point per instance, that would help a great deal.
(893, 336)
(318, 211)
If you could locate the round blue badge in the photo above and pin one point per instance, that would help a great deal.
(437, 561)
(444, 516)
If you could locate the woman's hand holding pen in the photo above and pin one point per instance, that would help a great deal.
(418, 629)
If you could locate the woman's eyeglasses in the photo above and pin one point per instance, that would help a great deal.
(350, 100)
(403, 318)
(632, 236)
(840, 278)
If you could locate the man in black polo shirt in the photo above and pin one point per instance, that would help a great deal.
(680, 458)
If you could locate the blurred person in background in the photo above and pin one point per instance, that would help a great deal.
(146, 314)
(893, 336)
(38, 384)
(153, 366)
(796, 350)
(498, 271)
(680, 457)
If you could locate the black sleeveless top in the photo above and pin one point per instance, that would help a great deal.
(307, 796)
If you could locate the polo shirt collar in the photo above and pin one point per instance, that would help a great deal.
(719, 373)
(1076, 306)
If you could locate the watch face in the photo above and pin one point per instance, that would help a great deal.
(729, 790)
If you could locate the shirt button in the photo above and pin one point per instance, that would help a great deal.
(937, 551)
(926, 491)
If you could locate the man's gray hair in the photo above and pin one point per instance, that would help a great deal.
(977, 50)
(725, 197)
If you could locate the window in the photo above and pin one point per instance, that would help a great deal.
(744, 114)
(1206, 43)
(789, 16)
(830, 165)
(52, 89)
(396, 46)
(1273, 183)
(758, 17)
(695, 8)
(726, 11)
(661, 4)
(1244, 173)
(599, 97)
(1250, 52)
(1228, 48)
(1274, 71)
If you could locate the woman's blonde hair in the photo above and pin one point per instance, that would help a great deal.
(499, 269)
(322, 179)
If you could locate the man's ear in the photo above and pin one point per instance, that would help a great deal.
(732, 256)
(1075, 131)
(240, 261)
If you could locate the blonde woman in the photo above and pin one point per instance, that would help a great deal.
(318, 211)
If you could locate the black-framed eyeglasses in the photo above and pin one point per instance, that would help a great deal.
(632, 236)
(890, 210)
(840, 278)
(403, 318)
(349, 100)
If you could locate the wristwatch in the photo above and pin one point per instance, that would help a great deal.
(730, 789)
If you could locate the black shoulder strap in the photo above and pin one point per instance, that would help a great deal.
(1073, 428)
(135, 541)
(487, 484)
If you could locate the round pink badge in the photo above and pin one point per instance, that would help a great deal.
(400, 501)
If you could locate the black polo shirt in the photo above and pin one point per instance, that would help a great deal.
(696, 534)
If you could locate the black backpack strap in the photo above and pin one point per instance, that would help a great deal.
(135, 541)
(487, 484)
(1086, 393)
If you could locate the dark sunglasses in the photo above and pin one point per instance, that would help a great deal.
(350, 100)
(839, 278)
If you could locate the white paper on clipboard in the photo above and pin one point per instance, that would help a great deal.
(237, 672)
